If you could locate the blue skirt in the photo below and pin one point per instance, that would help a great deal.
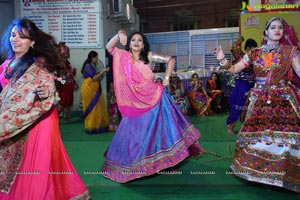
(237, 100)
(156, 140)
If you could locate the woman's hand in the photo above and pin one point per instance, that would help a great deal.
(165, 82)
(119, 37)
(218, 51)
(122, 37)
(106, 69)
(42, 90)
(218, 91)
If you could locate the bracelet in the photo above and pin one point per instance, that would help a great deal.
(223, 64)
(221, 58)
(121, 31)
(226, 66)
(245, 63)
(167, 78)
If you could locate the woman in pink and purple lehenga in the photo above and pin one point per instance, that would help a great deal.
(153, 134)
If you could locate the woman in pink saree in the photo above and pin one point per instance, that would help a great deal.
(33, 161)
(153, 134)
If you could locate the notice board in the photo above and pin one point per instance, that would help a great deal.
(75, 22)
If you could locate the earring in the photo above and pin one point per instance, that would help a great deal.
(286, 37)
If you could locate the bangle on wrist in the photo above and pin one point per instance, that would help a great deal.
(121, 31)
(223, 64)
(221, 58)
(245, 63)
(227, 65)
(167, 78)
(119, 36)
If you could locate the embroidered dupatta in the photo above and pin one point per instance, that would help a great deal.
(20, 108)
(135, 89)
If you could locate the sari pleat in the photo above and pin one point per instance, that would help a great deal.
(94, 107)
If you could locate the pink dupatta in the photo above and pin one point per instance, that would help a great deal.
(135, 89)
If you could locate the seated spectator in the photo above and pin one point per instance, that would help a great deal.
(198, 97)
(213, 87)
(175, 83)
(180, 101)
(177, 91)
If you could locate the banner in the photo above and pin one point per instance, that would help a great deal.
(75, 22)
(252, 24)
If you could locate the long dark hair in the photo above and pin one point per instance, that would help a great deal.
(145, 50)
(250, 43)
(45, 46)
(218, 81)
(91, 55)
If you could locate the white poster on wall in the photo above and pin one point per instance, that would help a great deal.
(75, 22)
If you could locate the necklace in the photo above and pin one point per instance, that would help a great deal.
(134, 59)
(271, 47)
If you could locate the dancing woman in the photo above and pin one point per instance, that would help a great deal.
(33, 161)
(153, 134)
(268, 144)
(93, 99)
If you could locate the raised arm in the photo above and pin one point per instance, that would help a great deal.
(170, 61)
(239, 66)
(120, 36)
